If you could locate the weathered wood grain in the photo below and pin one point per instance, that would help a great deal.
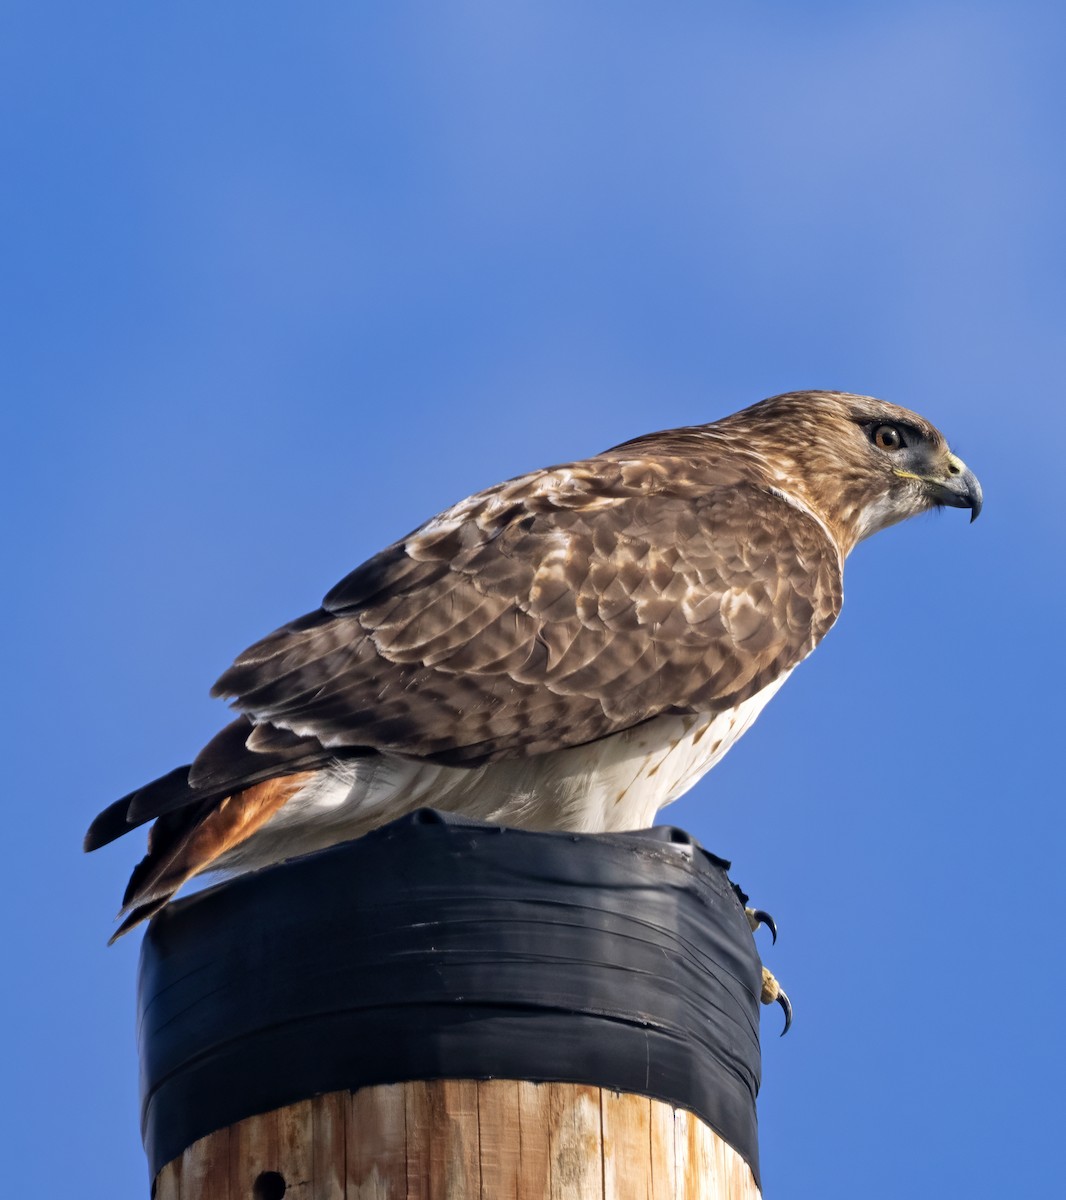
(663, 1158)
(253, 1150)
(167, 1185)
(694, 1142)
(377, 1144)
(449, 1147)
(534, 1112)
(296, 1145)
(466, 1140)
(329, 1154)
(205, 1168)
(575, 1142)
(499, 1139)
(626, 1123)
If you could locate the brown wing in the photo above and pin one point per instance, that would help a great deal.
(547, 612)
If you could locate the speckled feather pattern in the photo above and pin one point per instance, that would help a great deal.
(569, 649)
(519, 626)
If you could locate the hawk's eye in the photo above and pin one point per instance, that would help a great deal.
(887, 437)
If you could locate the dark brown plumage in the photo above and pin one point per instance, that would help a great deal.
(650, 591)
(548, 638)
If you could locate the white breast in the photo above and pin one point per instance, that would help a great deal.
(613, 784)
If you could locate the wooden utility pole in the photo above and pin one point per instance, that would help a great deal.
(446, 1009)
(495, 1139)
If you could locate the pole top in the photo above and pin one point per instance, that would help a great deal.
(443, 948)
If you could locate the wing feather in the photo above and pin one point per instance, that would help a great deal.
(550, 611)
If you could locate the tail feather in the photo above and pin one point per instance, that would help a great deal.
(241, 778)
(161, 795)
(139, 914)
(166, 839)
(183, 844)
(229, 763)
(242, 754)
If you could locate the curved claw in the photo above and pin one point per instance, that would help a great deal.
(757, 917)
(786, 1004)
(773, 993)
(764, 918)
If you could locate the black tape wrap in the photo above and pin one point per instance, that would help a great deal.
(443, 949)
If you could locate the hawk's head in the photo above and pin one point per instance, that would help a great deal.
(861, 464)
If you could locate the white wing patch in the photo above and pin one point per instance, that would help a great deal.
(564, 487)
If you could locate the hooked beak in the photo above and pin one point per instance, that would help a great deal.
(958, 489)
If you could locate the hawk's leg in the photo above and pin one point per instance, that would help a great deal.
(772, 992)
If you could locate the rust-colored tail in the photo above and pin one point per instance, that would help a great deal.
(185, 842)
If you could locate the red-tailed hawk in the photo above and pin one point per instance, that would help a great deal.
(569, 650)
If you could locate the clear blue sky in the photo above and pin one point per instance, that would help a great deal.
(279, 283)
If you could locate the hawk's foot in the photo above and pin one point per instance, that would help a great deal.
(757, 917)
(773, 993)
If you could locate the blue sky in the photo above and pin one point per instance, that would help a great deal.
(279, 285)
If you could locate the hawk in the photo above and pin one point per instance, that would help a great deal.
(569, 650)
